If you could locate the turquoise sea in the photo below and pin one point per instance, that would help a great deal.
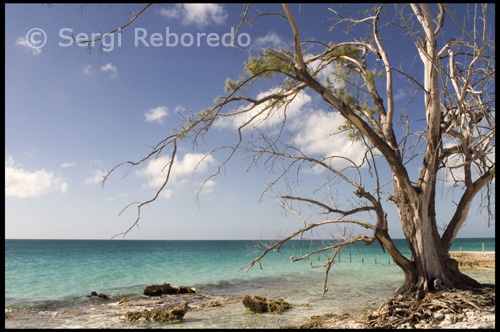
(48, 280)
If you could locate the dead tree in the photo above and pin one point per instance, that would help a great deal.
(456, 91)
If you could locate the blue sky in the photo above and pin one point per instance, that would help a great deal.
(74, 113)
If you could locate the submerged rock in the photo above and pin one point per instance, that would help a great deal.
(260, 304)
(159, 290)
(100, 295)
(173, 314)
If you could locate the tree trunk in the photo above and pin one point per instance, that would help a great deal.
(431, 267)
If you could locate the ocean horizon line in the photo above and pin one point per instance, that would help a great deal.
(129, 239)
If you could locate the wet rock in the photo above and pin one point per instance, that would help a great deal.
(210, 302)
(100, 295)
(214, 303)
(173, 314)
(159, 290)
(260, 304)
(122, 301)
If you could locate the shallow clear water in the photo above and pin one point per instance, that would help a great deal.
(48, 280)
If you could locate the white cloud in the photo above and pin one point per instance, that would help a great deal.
(156, 114)
(181, 177)
(88, 70)
(454, 173)
(179, 109)
(23, 184)
(318, 134)
(172, 12)
(448, 177)
(97, 177)
(63, 187)
(208, 187)
(325, 72)
(265, 118)
(110, 67)
(22, 43)
(400, 94)
(201, 14)
(270, 40)
(65, 165)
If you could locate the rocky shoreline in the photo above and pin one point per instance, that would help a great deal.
(170, 309)
(471, 316)
(164, 304)
(483, 318)
(474, 259)
(175, 313)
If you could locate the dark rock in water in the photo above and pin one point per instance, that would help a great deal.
(173, 314)
(260, 304)
(95, 294)
(159, 290)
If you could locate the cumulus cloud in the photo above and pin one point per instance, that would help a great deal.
(172, 12)
(97, 177)
(270, 40)
(156, 114)
(325, 73)
(449, 177)
(65, 165)
(111, 68)
(318, 134)
(454, 174)
(21, 42)
(24, 184)
(155, 173)
(200, 14)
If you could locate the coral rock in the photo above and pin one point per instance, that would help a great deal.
(260, 304)
(173, 314)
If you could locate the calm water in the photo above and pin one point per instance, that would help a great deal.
(49, 277)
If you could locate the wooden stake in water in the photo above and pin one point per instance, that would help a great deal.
(483, 246)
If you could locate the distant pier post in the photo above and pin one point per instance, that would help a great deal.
(483, 246)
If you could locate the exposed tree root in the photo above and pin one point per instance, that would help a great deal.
(404, 309)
